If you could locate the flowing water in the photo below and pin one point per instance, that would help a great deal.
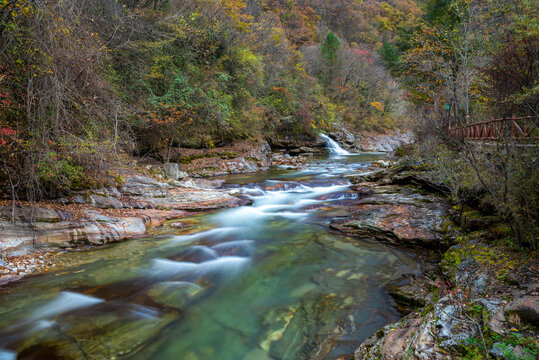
(264, 281)
(333, 147)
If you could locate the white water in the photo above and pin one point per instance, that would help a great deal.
(226, 265)
(333, 147)
(66, 301)
(7, 355)
(258, 263)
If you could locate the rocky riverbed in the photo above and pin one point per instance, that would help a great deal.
(471, 297)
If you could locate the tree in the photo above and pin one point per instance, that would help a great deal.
(330, 46)
(390, 55)
(445, 56)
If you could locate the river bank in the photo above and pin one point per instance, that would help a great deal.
(478, 295)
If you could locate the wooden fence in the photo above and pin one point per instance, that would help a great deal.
(524, 129)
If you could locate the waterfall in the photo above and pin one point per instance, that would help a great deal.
(333, 147)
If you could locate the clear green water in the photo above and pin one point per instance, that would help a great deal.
(265, 281)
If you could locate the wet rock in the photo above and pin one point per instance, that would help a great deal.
(402, 224)
(369, 176)
(527, 308)
(179, 225)
(409, 291)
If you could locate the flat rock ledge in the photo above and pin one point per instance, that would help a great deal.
(107, 215)
(401, 216)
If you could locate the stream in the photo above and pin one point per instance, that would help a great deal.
(257, 282)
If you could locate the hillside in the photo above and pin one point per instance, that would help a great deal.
(86, 84)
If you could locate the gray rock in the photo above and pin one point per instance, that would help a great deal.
(456, 340)
(106, 202)
(179, 225)
(491, 305)
(110, 191)
(78, 200)
(30, 214)
(383, 142)
(113, 191)
(367, 176)
(173, 172)
(479, 285)
(445, 320)
(145, 187)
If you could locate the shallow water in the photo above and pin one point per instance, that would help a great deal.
(265, 281)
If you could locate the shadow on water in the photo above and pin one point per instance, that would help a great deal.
(265, 281)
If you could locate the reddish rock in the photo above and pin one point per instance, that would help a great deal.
(400, 224)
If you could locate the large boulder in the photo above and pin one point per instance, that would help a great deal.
(402, 224)
(382, 142)
(173, 172)
(103, 202)
(527, 309)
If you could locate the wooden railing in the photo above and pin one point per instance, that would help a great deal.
(515, 128)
